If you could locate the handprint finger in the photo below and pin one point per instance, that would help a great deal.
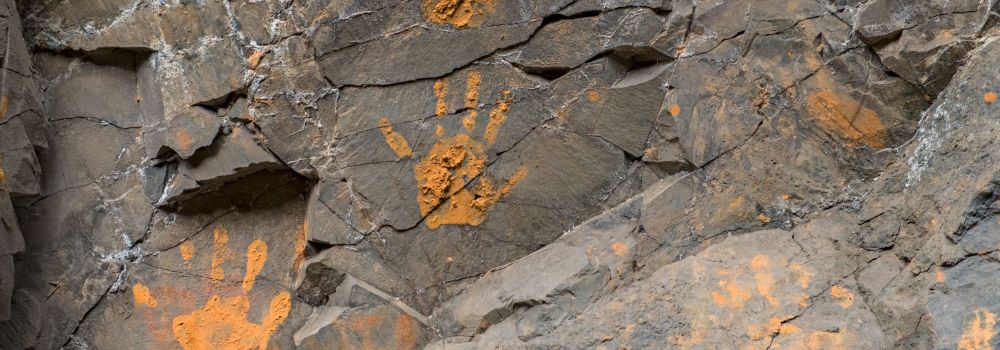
(395, 141)
(220, 238)
(256, 257)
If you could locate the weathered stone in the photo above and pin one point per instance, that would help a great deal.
(569, 43)
(924, 39)
(429, 53)
(232, 156)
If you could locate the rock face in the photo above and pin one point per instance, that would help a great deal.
(484, 174)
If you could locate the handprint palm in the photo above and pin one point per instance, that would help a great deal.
(452, 162)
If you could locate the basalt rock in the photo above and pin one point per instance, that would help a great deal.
(483, 174)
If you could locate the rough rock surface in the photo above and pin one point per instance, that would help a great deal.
(486, 174)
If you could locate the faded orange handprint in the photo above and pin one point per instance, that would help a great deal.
(452, 162)
(223, 322)
(767, 289)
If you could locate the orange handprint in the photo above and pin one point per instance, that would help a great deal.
(452, 162)
(222, 323)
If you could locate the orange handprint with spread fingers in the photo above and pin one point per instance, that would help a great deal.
(444, 172)
(222, 323)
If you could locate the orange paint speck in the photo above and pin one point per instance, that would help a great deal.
(979, 332)
(395, 141)
(142, 295)
(675, 110)
(939, 276)
(619, 248)
(990, 97)
(843, 296)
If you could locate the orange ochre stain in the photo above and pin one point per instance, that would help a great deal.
(498, 117)
(939, 276)
(142, 296)
(395, 141)
(183, 139)
(843, 296)
(187, 250)
(220, 237)
(458, 13)
(619, 248)
(847, 118)
(979, 332)
(440, 94)
(990, 97)
(3, 176)
(675, 110)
